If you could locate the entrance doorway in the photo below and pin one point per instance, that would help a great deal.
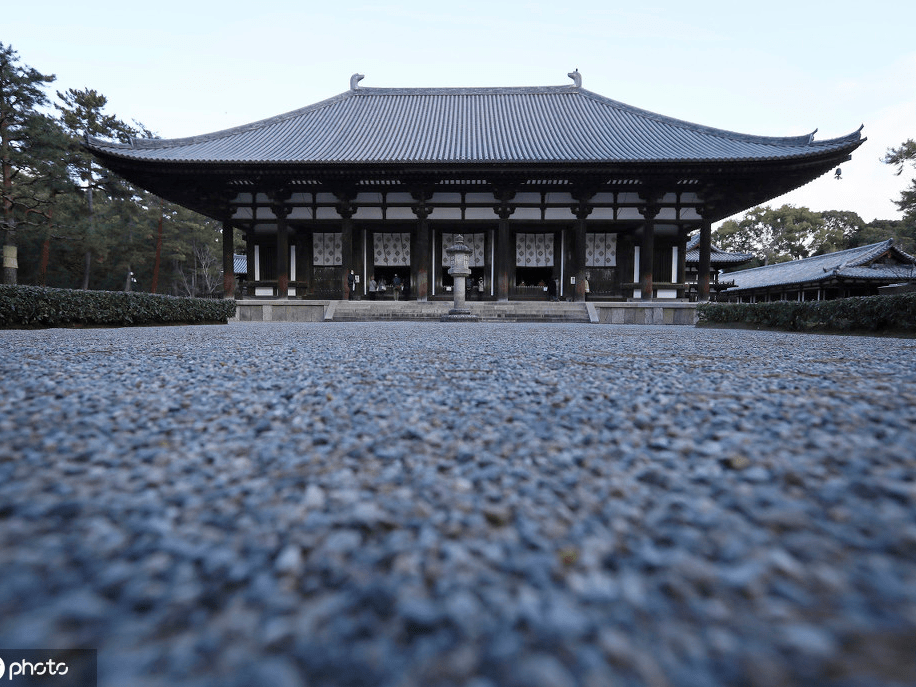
(531, 282)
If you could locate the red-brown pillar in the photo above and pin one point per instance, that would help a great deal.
(578, 249)
(504, 251)
(281, 212)
(228, 261)
(253, 270)
(346, 250)
(681, 276)
(704, 267)
(647, 251)
(346, 209)
(419, 255)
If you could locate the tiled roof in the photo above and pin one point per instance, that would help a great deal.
(717, 256)
(467, 125)
(854, 263)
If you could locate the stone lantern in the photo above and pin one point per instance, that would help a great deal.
(459, 255)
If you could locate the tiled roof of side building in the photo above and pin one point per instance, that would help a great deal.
(717, 256)
(467, 125)
(854, 263)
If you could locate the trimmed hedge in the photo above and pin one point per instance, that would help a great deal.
(896, 312)
(36, 306)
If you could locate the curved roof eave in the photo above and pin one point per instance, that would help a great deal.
(879, 276)
(848, 263)
(107, 149)
(548, 125)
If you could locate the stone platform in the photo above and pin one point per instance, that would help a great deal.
(653, 312)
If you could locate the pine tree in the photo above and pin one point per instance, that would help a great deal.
(82, 115)
(898, 157)
(28, 150)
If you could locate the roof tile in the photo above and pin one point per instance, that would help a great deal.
(548, 124)
(852, 263)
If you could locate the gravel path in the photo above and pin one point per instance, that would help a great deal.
(451, 504)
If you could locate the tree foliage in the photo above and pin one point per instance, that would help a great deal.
(82, 113)
(790, 233)
(786, 233)
(840, 228)
(76, 224)
(29, 155)
(903, 231)
(899, 157)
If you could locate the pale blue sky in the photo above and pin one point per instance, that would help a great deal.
(776, 68)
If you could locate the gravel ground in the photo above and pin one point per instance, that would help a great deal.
(461, 504)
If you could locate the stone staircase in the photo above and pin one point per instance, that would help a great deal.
(487, 311)
(521, 311)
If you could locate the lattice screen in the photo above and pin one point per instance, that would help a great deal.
(474, 241)
(392, 250)
(600, 250)
(534, 250)
(327, 249)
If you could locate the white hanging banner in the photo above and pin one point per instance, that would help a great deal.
(534, 250)
(600, 250)
(327, 249)
(391, 250)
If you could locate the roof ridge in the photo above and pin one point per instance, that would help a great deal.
(517, 124)
(875, 249)
(464, 90)
(360, 92)
(865, 250)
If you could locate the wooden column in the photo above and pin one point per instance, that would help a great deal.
(346, 250)
(419, 254)
(359, 259)
(647, 250)
(703, 269)
(346, 209)
(504, 251)
(278, 205)
(308, 263)
(295, 267)
(281, 213)
(228, 260)
(582, 211)
(282, 257)
(252, 269)
(682, 261)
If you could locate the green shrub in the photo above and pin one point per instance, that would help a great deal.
(35, 306)
(895, 312)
